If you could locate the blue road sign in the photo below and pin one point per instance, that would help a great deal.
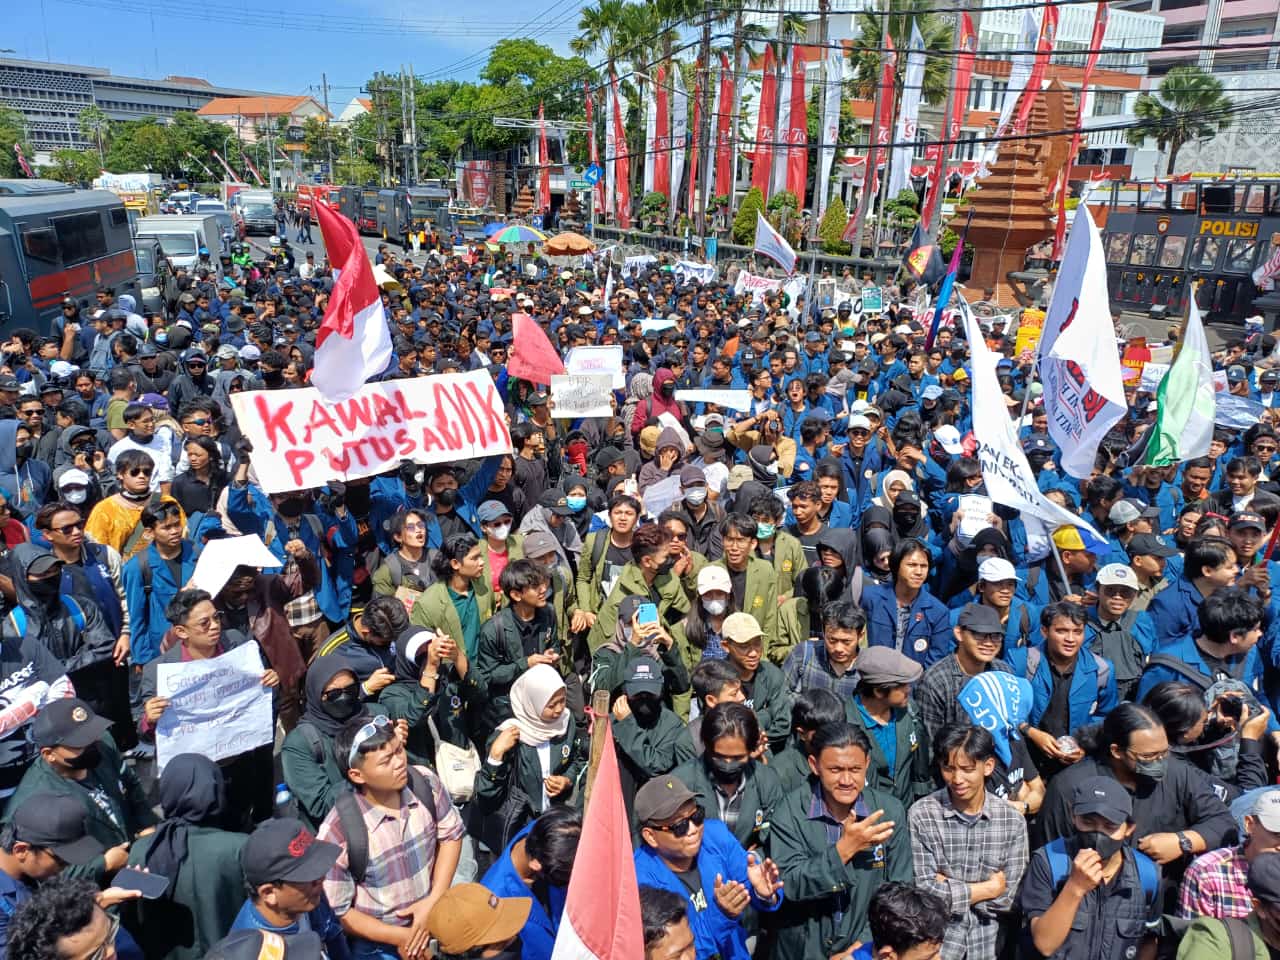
(593, 174)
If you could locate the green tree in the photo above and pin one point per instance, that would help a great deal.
(148, 144)
(904, 209)
(744, 224)
(1189, 106)
(653, 209)
(72, 166)
(12, 130)
(832, 226)
(866, 54)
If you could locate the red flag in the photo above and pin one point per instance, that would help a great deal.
(959, 105)
(354, 341)
(662, 136)
(1044, 47)
(762, 163)
(622, 161)
(798, 134)
(724, 137)
(544, 165)
(1091, 61)
(697, 136)
(592, 153)
(601, 919)
(884, 123)
(533, 358)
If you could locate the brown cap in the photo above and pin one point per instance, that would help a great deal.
(469, 916)
(661, 799)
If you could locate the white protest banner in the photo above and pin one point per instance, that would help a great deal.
(1004, 466)
(755, 285)
(217, 708)
(1152, 374)
(729, 399)
(21, 697)
(688, 270)
(588, 395)
(656, 324)
(1238, 413)
(660, 495)
(587, 360)
(300, 441)
(639, 262)
(219, 559)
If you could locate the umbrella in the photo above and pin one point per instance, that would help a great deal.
(568, 244)
(518, 233)
(491, 228)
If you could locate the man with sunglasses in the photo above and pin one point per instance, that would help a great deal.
(683, 851)
(140, 422)
(116, 521)
(194, 380)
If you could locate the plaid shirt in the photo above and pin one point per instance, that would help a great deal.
(807, 668)
(938, 693)
(1216, 885)
(402, 853)
(966, 852)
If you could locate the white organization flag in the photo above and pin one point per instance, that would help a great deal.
(908, 115)
(830, 126)
(1005, 469)
(679, 132)
(771, 244)
(650, 135)
(1079, 364)
(1019, 76)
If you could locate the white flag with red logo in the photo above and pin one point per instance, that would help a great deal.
(354, 341)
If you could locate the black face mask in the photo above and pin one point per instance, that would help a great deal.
(616, 441)
(273, 378)
(666, 565)
(447, 498)
(1106, 846)
(512, 951)
(668, 389)
(89, 758)
(646, 709)
(25, 450)
(342, 703)
(45, 590)
(726, 771)
(358, 498)
(291, 507)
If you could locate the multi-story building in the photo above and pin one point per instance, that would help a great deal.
(1225, 36)
(246, 116)
(51, 96)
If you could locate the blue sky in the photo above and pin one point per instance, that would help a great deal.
(232, 42)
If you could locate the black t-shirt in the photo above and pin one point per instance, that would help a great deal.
(1006, 781)
(809, 541)
(738, 581)
(692, 880)
(615, 558)
(1057, 717)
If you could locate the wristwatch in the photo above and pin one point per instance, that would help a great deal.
(1184, 842)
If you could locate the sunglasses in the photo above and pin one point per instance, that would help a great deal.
(67, 528)
(113, 930)
(366, 733)
(140, 472)
(202, 422)
(337, 693)
(681, 827)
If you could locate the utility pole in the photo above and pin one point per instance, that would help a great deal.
(413, 122)
(271, 154)
(404, 125)
(328, 126)
(705, 127)
(820, 189)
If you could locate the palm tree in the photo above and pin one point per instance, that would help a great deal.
(866, 55)
(599, 31)
(1189, 106)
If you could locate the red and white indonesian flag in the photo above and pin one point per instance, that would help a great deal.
(1079, 364)
(770, 243)
(601, 919)
(353, 342)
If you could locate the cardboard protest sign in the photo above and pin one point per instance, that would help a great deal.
(1030, 327)
(588, 360)
(588, 395)
(299, 441)
(872, 300)
(533, 358)
(219, 559)
(729, 399)
(218, 708)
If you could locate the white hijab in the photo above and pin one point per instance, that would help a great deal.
(530, 695)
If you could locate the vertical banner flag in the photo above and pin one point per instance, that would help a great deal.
(354, 341)
(762, 163)
(1019, 74)
(592, 153)
(831, 99)
(770, 243)
(544, 164)
(1186, 405)
(533, 358)
(908, 116)
(226, 166)
(252, 169)
(610, 149)
(948, 283)
(623, 182)
(724, 137)
(1040, 65)
(22, 160)
(1079, 367)
(1100, 18)
(701, 75)
(678, 137)
(797, 130)
(650, 135)
(662, 135)
(1004, 466)
(783, 128)
(884, 97)
(961, 76)
(604, 873)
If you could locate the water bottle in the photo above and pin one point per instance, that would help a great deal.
(1068, 744)
(285, 805)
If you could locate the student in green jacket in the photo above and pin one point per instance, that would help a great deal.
(764, 688)
(611, 664)
(520, 635)
(731, 784)
(79, 759)
(645, 731)
(755, 584)
(432, 686)
(540, 547)
(501, 546)
(311, 771)
(882, 707)
(201, 862)
(652, 575)
(604, 554)
(775, 545)
(835, 841)
(800, 618)
(408, 565)
(460, 600)
(811, 710)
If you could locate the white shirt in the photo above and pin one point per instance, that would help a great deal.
(158, 448)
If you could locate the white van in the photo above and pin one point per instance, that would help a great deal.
(182, 236)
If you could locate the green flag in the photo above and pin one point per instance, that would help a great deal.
(1185, 402)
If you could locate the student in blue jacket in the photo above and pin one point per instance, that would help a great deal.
(537, 861)
(903, 614)
(1090, 682)
(1209, 565)
(684, 851)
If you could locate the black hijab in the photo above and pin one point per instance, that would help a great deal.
(192, 793)
(407, 668)
(319, 674)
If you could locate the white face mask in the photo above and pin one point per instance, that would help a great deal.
(75, 495)
(500, 532)
(715, 607)
(695, 496)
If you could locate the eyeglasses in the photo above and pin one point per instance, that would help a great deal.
(859, 432)
(67, 528)
(681, 827)
(1148, 758)
(1264, 448)
(107, 947)
(33, 412)
(140, 471)
(415, 526)
(202, 422)
(366, 733)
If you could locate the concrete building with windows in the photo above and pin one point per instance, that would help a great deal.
(1224, 36)
(51, 96)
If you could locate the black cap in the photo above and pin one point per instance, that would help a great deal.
(1151, 545)
(555, 501)
(1103, 796)
(979, 618)
(1247, 521)
(255, 944)
(56, 822)
(286, 849)
(645, 676)
(68, 723)
(1264, 877)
